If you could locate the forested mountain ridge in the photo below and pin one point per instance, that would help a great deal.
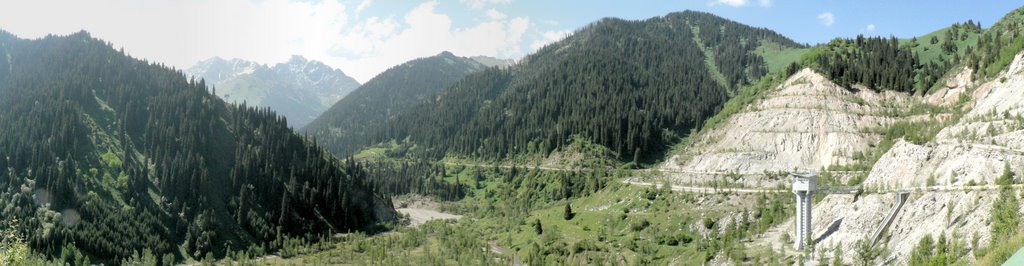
(300, 89)
(632, 86)
(345, 127)
(107, 156)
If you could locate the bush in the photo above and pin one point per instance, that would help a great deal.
(13, 250)
(640, 225)
(709, 223)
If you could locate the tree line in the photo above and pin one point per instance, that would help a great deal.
(105, 156)
(632, 86)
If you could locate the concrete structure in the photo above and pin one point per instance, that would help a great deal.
(804, 186)
(901, 198)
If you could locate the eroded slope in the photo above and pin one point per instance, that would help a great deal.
(806, 123)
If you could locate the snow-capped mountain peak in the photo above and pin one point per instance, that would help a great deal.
(299, 88)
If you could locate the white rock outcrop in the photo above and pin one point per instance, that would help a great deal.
(807, 123)
(971, 151)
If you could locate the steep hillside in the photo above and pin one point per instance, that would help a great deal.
(631, 86)
(806, 123)
(347, 125)
(954, 181)
(852, 102)
(299, 89)
(109, 156)
(963, 180)
(998, 45)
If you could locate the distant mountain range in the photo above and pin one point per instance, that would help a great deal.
(493, 62)
(299, 89)
(348, 124)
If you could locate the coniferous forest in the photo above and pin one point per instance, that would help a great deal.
(576, 154)
(889, 64)
(876, 62)
(346, 126)
(635, 87)
(107, 157)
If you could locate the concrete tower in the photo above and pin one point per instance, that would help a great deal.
(804, 186)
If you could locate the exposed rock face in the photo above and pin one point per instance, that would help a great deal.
(807, 123)
(971, 151)
(955, 87)
(841, 221)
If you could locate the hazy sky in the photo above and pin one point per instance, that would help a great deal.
(365, 37)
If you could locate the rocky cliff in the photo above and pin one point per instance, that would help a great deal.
(806, 123)
(950, 178)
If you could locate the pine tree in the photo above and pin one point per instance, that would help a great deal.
(568, 215)
(537, 227)
(1006, 178)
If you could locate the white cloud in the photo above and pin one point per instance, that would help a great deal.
(765, 3)
(181, 33)
(363, 5)
(479, 4)
(363, 37)
(827, 19)
(370, 48)
(733, 3)
(495, 14)
(870, 27)
(549, 37)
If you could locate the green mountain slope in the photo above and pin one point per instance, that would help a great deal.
(631, 86)
(107, 156)
(998, 45)
(345, 127)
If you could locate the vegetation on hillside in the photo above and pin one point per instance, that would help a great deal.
(346, 127)
(940, 51)
(875, 62)
(543, 217)
(944, 251)
(107, 157)
(909, 65)
(632, 86)
(421, 177)
(998, 45)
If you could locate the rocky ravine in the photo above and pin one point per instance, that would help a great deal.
(971, 151)
(807, 123)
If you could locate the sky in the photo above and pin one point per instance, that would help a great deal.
(366, 37)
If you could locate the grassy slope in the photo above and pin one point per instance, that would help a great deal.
(709, 59)
(619, 224)
(579, 154)
(928, 52)
(777, 57)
